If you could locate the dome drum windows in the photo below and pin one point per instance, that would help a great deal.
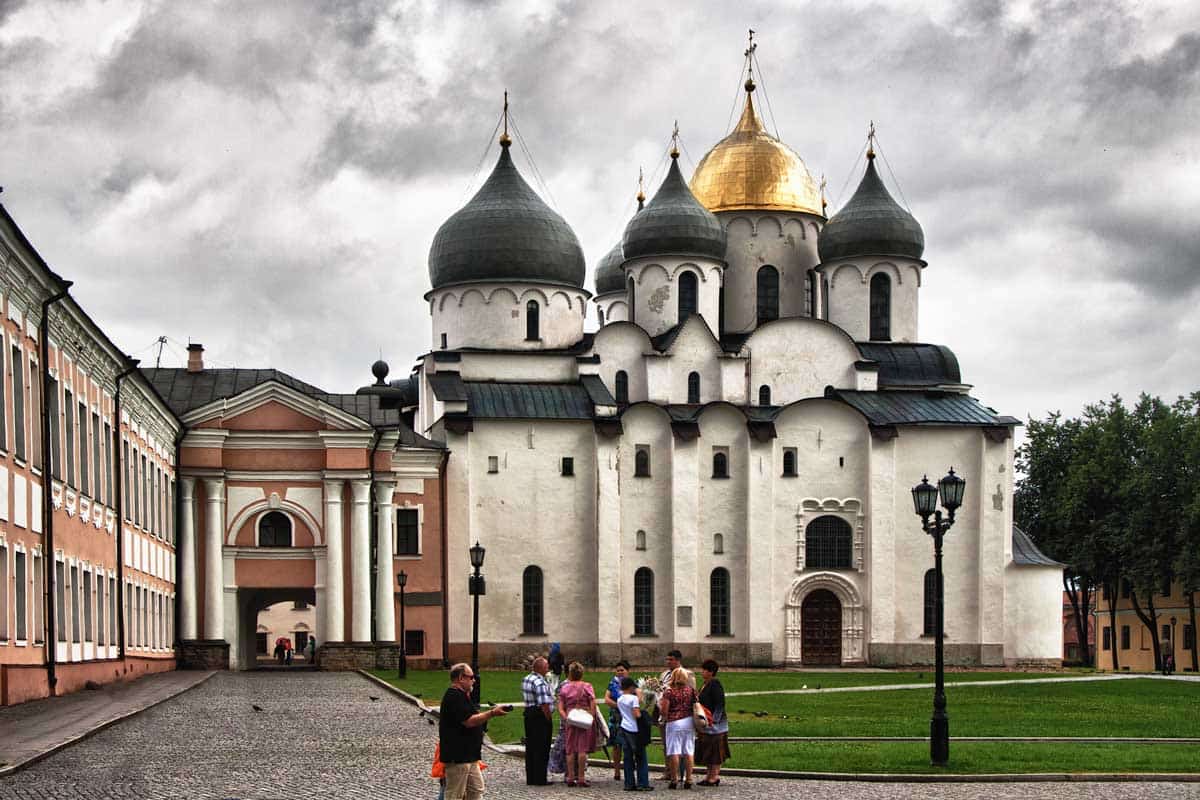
(532, 322)
(881, 308)
(275, 530)
(768, 294)
(688, 294)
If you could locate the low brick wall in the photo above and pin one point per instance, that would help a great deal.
(204, 654)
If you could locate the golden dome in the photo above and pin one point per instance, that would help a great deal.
(751, 169)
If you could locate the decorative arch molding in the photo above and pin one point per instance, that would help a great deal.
(853, 615)
(850, 509)
(525, 294)
(462, 298)
(758, 224)
(274, 503)
(565, 296)
(883, 266)
(741, 218)
(816, 229)
(646, 268)
(833, 275)
(694, 267)
(795, 224)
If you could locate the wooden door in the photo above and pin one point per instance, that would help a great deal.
(821, 623)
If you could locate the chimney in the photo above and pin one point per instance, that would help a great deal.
(195, 358)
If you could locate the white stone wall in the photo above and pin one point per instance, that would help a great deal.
(786, 241)
(1036, 596)
(614, 306)
(850, 295)
(494, 315)
(798, 358)
(656, 290)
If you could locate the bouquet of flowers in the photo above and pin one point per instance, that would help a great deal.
(650, 687)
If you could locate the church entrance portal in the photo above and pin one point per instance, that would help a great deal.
(821, 625)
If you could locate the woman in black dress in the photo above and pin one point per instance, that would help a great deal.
(713, 748)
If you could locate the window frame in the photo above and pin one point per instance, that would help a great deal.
(766, 294)
(641, 461)
(413, 513)
(621, 387)
(826, 548)
(880, 308)
(270, 514)
(643, 602)
(533, 606)
(567, 467)
(693, 388)
(689, 295)
(720, 463)
(533, 321)
(790, 470)
(720, 606)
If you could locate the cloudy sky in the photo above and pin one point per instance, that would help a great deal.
(266, 178)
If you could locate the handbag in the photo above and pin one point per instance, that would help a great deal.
(580, 718)
(701, 717)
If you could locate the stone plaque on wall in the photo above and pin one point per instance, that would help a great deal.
(683, 616)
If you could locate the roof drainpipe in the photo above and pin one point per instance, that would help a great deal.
(445, 562)
(119, 497)
(178, 512)
(51, 645)
(374, 528)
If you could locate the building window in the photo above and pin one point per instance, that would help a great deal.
(641, 462)
(720, 464)
(568, 466)
(768, 294)
(39, 625)
(930, 626)
(632, 301)
(60, 600)
(531, 600)
(18, 389)
(1126, 589)
(824, 297)
(532, 332)
(275, 530)
(1166, 634)
(299, 605)
(643, 602)
(1107, 634)
(493, 464)
(693, 388)
(3, 594)
(881, 307)
(688, 291)
(621, 385)
(718, 544)
(1189, 637)
(69, 435)
(21, 598)
(443, 341)
(600, 316)
(55, 444)
(407, 530)
(100, 629)
(112, 610)
(96, 455)
(789, 462)
(1124, 637)
(414, 643)
(108, 463)
(75, 616)
(85, 484)
(718, 602)
(764, 395)
(87, 606)
(827, 543)
(810, 294)
(639, 540)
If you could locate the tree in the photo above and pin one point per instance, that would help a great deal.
(1187, 562)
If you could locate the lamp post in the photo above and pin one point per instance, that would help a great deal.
(401, 579)
(925, 497)
(1173, 621)
(476, 587)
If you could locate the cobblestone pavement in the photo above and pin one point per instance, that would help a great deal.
(320, 735)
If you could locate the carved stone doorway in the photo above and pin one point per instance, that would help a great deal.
(821, 626)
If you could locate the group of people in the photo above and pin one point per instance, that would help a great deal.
(284, 652)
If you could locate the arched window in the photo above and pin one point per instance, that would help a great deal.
(531, 600)
(720, 465)
(718, 543)
(621, 387)
(930, 603)
(643, 602)
(768, 294)
(827, 543)
(688, 291)
(824, 301)
(632, 301)
(881, 307)
(641, 463)
(639, 540)
(531, 321)
(764, 395)
(275, 530)
(693, 387)
(789, 462)
(600, 314)
(718, 602)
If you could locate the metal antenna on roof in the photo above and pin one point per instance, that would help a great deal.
(162, 342)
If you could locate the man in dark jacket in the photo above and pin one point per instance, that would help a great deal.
(460, 734)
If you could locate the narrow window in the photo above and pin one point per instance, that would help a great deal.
(87, 606)
(641, 462)
(1107, 638)
(824, 297)
(75, 621)
(718, 544)
(3, 432)
(531, 321)
(531, 600)
(84, 482)
(688, 291)
(39, 624)
(96, 455)
(929, 628)
(764, 395)
(100, 629)
(568, 466)
(60, 600)
(275, 530)
(827, 542)
(1124, 637)
(108, 464)
(145, 493)
(414, 643)
(18, 390)
(639, 540)
(69, 435)
(643, 602)
(600, 314)
(3, 594)
(881, 307)
(789, 462)
(718, 602)
(55, 441)
(768, 294)
(1189, 637)
(720, 465)
(632, 301)
(443, 341)
(21, 580)
(493, 464)
(112, 610)
(693, 388)
(407, 529)
(621, 386)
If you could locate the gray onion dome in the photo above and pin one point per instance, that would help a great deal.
(674, 223)
(506, 233)
(609, 275)
(872, 223)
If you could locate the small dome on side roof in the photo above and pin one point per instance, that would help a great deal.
(872, 223)
(609, 275)
(674, 223)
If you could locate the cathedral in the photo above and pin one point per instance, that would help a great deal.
(725, 465)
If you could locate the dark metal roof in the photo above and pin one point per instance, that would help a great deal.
(597, 392)
(872, 223)
(1025, 552)
(663, 341)
(674, 222)
(506, 232)
(185, 391)
(448, 387)
(528, 401)
(917, 408)
(609, 275)
(905, 364)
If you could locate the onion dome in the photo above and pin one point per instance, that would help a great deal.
(674, 223)
(751, 169)
(506, 233)
(609, 275)
(872, 223)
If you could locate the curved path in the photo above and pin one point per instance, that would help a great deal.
(320, 735)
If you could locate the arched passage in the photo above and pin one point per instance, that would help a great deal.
(826, 599)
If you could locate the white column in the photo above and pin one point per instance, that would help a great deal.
(685, 527)
(608, 539)
(385, 599)
(360, 561)
(187, 558)
(335, 601)
(214, 578)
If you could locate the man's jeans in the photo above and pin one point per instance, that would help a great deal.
(634, 755)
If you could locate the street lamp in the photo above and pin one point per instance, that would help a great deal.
(476, 587)
(1173, 621)
(401, 579)
(925, 497)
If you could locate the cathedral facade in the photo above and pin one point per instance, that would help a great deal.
(725, 465)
